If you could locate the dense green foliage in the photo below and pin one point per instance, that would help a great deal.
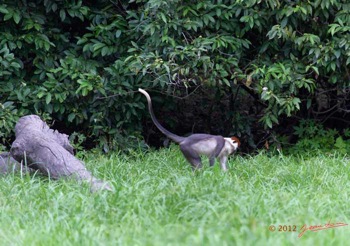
(160, 201)
(79, 62)
(313, 138)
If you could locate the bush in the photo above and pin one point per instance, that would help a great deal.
(313, 138)
(80, 63)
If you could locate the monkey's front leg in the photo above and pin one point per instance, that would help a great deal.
(223, 160)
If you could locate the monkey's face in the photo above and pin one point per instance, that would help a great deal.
(235, 141)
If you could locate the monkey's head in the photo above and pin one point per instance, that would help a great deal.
(235, 142)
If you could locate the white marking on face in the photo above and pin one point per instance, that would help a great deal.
(232, 142)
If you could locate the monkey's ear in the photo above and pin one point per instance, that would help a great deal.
(234, 139)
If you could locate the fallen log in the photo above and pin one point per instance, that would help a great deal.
(41, 148)
(10, 165)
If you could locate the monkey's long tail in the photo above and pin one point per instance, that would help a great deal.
(172, 136)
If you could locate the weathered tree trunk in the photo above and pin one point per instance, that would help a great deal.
(10, 165)
(49, 151)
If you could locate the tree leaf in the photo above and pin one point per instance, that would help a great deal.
(118, 33)
(62, 14)
(3, 9)
(48, 98)
(16, 17)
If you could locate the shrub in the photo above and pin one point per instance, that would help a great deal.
(81, 62)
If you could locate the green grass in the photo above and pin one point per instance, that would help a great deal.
(158, 200)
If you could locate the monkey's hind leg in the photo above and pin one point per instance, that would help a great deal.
(211, 160)
(191, 156)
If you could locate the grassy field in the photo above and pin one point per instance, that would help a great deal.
(160, 201)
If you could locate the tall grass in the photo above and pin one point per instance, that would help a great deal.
(158, 200)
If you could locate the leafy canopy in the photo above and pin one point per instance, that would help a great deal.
(80, 62)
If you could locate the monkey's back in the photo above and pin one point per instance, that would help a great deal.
(204, 144)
